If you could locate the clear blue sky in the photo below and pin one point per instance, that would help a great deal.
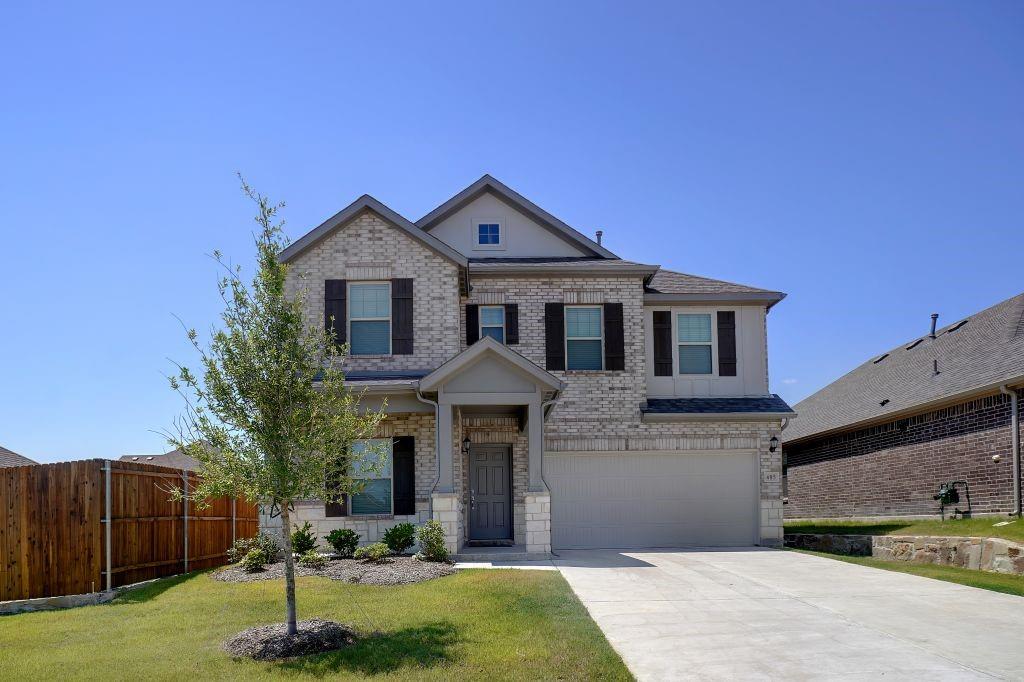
(865, 157)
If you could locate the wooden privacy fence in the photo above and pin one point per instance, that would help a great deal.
(78, 527)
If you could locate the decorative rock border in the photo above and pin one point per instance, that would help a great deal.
(994, 555)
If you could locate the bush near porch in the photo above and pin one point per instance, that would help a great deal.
(478, 624)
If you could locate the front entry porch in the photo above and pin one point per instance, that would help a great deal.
(491, 405)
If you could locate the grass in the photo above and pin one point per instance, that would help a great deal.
(976, 527)
(477, 624)
(997, 582)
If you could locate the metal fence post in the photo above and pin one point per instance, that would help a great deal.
(185, 506)
(107, 522)
(233, 518)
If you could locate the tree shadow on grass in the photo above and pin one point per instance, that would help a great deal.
(424, 646)
(154, 589)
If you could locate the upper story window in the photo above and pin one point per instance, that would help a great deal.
(371, 468)
(492, 322)
(370, 318)
(584, 342)
(694, 341)
(488, 234)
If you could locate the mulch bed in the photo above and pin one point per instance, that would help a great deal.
(399, 570)
(271, 642)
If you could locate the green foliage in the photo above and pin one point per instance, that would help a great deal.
(313, 559)
(400, 537)
(269, 545)
(303, 539)
(431, 537)
(269, 416)
(344, 541)
(377, 553)
(255, 560)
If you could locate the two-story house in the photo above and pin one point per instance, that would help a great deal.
(541, 391)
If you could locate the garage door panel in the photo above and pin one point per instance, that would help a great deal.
(635, 499)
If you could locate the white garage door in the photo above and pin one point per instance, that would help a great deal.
(652, 499)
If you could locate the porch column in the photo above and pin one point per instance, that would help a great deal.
(446, 465)
(535, 424)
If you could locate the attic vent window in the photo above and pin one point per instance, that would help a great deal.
(880, 358)
(915, 344)
(488, 233)
(956, 326)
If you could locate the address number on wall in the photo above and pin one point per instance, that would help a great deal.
(771, 477)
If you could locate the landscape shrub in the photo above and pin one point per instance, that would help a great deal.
(344, 541)
(303, 539)
(269, 545)
(431, 537)
(377, 553)
(313, 559)
(400, 538)
(254, 560)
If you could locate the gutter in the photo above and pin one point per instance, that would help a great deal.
(1015, 447)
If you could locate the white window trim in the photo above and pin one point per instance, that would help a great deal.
(565, 333)
(474, 234)
(676, 342)
(391, 451)
(352, 319)
(480, 316)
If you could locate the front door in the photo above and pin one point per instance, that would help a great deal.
(490, 492)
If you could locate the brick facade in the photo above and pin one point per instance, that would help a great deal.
(894, 469)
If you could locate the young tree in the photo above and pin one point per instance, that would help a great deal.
(270, 418)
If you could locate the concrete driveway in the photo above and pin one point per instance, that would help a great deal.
(765, 614)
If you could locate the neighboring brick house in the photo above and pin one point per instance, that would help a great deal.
(542, 392)
(882, 439)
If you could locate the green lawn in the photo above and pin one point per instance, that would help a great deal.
(997, 582)
(977, 527)
(481, 624)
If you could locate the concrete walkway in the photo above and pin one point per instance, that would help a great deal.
(763, 614)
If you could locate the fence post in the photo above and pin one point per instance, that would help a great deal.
(233, 517)
(185, 507)
(107, 522)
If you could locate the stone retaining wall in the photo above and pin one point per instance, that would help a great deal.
(981, 554)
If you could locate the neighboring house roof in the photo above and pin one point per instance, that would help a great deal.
(666, 409)
(364, 203)
(175, 459)
(973, 356)
(563, 265)
(9, 458)
(667, 286)
(488, 346)
(518, 201)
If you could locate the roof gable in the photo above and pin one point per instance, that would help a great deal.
(368, 203)
(487, 187)
(484, 350)
(979, 355)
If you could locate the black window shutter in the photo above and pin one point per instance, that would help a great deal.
(614, 338)
(339, 508)
(511, 323)
(726, 343)
(472, 323)
(662, 343)
(404, 475)
(335, 292)
(554, 335)
(401, 317)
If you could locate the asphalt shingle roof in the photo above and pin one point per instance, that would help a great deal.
(770, 404)
(669, 282)
(13, 459)
(986, 350)
(174, 459)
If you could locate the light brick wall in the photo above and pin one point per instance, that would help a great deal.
(369, 248)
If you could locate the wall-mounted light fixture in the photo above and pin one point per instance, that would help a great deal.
(465, 445)
(773, 444)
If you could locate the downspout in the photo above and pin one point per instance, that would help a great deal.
(1015, 445)
(437, 454)
(545, 407)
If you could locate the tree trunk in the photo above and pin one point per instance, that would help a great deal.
(289, 567)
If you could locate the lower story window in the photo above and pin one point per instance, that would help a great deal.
(371, 470)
